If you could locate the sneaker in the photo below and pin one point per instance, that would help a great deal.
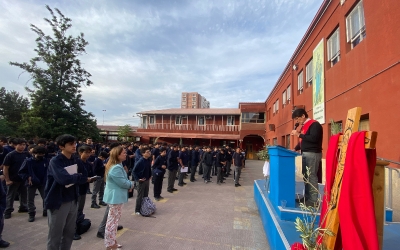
(120, 227)
(170, 191)
(156, 198)
(4, 244)
(239, 184)
(77, 236)
(191, 180)
(94, 205)
(100, 235)
(181, 185)
(102, 203)
(236, 185)
(174, 189)
(31, 218)
(137, 213)
(7, 216)
(160, 197)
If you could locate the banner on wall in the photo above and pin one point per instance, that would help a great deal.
(318, 83)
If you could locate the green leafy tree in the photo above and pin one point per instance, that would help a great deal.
(57, 77)
(12, 106)
(124, 132)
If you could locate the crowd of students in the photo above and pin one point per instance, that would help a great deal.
(61, 172)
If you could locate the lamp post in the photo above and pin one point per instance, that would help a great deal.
(103, 115)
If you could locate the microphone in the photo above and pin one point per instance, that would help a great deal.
(296, 125)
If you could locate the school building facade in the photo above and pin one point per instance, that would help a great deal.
(349, 57)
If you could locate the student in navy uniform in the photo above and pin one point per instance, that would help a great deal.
(3, 243)
(195, 159)
(142, 174)
(172, 166)
(159, 166)
(183, 160)
(228, 153)
(207, 162)
(201, 152)
(238, 162)
(189, 153)
(214, 166)
(12, 163)
(155, 152)
(61, 201)
(98, 185)
(34, 173)
(85, 169)
(220, 164)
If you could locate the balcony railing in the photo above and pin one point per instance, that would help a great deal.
(190, 127)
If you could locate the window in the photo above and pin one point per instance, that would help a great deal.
(309, 72)
(152, 119)
(275, 106)
(253, 117)
(300, 82)
(178, 120)
(288, 94)
(194, 98)
(275, 141)
(193, 106)
(284, 98)
(230, 121)
(183, 98)
(334, 48)
(355, 25)
(201, 121)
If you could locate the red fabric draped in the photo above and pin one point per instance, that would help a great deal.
(331, 164)
(356, 206)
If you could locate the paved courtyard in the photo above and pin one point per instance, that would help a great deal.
(198, 216)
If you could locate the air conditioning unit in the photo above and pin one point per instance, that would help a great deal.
(208, 117)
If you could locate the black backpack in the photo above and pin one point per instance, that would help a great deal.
(83, 226)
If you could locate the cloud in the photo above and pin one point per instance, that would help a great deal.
(143, 54)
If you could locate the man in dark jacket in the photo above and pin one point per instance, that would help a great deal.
(61, 194)
(98, 185)
(142, 174)
(310, 137)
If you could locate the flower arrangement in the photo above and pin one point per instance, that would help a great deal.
(263, 154)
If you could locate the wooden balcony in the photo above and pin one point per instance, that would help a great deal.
(189, 128)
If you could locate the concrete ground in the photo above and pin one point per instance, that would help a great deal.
(197, 216)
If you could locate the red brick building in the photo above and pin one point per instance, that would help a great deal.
(349, 57)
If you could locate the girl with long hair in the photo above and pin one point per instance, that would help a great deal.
(115, 194)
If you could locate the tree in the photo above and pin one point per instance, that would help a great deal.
(12, 106)
(57, 77)
(124, 132)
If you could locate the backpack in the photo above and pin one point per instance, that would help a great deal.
(83, 226)
(148, 207)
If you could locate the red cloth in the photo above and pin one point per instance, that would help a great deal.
(356, 206)
(331, 164)
(305, 127)
(297, 246)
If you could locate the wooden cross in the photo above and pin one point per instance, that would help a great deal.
(332, 219)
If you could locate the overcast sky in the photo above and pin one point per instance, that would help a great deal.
(143, 53)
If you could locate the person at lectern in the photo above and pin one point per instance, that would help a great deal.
(310, 142)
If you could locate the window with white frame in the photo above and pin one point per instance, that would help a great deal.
(288, 94)
(152, 119)
(178, 120)
(201, 120)
(273, 108)
(355, 25)
(194, 98)
(333, 46)
(284, 98)
(309, 72)
(230, 121)
(276, 106)
(300, 82)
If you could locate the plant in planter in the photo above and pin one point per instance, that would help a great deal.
(263, 154)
